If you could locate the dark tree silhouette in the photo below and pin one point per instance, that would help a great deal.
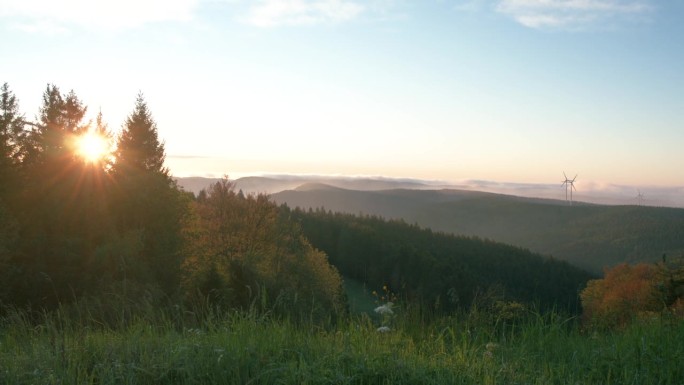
(147, 203)
(139, 148)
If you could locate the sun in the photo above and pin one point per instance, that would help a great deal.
(92, 147)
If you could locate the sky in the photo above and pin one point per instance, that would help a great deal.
(500, 90)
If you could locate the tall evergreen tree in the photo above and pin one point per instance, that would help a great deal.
(54, 204)
(148, 202)
(139, 149)
(11, 130)
(59, 118)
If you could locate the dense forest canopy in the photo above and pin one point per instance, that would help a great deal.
(82, 219)
(437, 269)
(589, 236)
(88, 213)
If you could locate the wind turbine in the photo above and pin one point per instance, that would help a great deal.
(569, 185)
(640, 198)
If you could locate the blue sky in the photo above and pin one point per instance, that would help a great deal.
(503, 90)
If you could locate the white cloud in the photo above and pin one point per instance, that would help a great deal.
(571, 14)
(35, 15)
(469, 5)
(272, 13)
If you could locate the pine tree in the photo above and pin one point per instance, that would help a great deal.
(139, 149)
(51, 207)
(11, 130)
(148, 202)
(60, 117)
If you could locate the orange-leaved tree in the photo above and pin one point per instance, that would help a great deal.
(624, 293)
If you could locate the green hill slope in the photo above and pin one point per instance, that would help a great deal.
(437, 269)
(589, 236)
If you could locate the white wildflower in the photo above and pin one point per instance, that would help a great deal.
(385, 309)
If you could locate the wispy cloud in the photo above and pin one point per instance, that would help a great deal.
(469, 5)
(572, 14)
(273, 13)
(52, 15)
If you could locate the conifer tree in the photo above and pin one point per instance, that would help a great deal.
(139, 149)
(11, 129)
(59, 117)
(148, 203)
(51, 208)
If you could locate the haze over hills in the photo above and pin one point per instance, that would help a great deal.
(277, 183)
(587, 191)
(589, 235)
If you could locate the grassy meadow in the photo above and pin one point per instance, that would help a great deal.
(174, 345)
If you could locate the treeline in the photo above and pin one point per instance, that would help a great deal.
(437, 269)
(75, 225)
(72, 226)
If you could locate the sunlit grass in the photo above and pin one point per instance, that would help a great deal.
(179, 346)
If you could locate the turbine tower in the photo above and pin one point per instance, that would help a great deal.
(569, 185)
(640, 198)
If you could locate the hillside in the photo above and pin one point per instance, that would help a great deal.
(442, 271)
(589, 236)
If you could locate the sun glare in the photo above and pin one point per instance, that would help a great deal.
(92, 147)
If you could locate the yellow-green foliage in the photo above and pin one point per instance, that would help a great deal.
(242, 251)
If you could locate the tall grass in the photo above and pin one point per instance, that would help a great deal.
(204, 345)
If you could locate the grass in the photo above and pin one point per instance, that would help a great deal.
(210, 347)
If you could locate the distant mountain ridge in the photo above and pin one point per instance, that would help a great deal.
(590, 236)
(278, 183)
(589, 192)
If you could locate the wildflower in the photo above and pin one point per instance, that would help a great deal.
(385, 309)
(384, 329)
(491, 346)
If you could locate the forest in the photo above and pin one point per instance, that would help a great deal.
(592, 237)
(112, 274)
(73, 228)
(442, 270)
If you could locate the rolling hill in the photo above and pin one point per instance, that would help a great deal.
(589, 236)
(440, 271)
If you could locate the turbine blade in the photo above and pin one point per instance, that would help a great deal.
(573, 179)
